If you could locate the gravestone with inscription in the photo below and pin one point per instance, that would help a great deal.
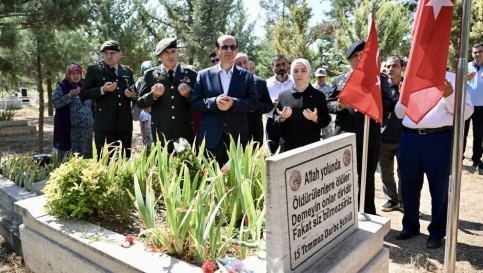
(312, 195)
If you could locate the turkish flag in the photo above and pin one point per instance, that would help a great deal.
(363, 88)
(425, 73)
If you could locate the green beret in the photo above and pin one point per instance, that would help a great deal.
(165, 44)
(110, 45)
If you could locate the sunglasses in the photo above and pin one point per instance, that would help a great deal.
(215, 60)
(226, 47)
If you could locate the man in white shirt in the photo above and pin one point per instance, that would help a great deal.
(279, 82)
(425, 148)
(225, 94)
(475, 90)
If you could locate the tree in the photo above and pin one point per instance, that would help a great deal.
(125, 22)
(475, 35)
(392, 23)
(197, 24)
(36, 20)
(292, 34)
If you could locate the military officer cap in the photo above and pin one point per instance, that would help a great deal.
(110, 45)
(355, 47)
(165, 44)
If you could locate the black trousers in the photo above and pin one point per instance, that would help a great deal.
(114, 138)
(372, 160)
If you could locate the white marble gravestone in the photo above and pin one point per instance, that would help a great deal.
(312, 208)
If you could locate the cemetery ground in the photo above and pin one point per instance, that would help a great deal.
(405, 256)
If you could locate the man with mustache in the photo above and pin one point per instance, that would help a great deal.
(279, 82)
(167, 90)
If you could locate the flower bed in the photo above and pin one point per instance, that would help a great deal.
(210, 212)
(65, 245)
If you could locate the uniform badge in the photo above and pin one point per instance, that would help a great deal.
(185, 78)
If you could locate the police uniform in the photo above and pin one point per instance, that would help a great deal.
(170, 113)
(112, 110)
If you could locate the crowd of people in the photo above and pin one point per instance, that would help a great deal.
(229, 100)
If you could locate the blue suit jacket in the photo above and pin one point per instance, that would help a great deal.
(215, 122)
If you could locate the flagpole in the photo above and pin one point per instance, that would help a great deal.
(362, 192)
(457, 144)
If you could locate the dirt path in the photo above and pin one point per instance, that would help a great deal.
(413, 256)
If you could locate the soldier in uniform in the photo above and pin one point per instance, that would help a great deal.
(349, 120)
(108, 85)
(167, 89)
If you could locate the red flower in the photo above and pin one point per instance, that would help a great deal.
(225, 169)
(129, 239)
(246, 219)
(208, 267)
(203, 172)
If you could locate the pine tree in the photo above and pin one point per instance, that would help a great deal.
(392, 24)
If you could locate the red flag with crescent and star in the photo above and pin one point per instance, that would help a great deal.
(426, 70)
(363, 88)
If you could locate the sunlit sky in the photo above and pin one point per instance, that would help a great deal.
(256, 14)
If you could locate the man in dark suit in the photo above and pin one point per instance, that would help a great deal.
(350, 120)
(224, 93)
(108, 83)
(265, 105)
(167, 89)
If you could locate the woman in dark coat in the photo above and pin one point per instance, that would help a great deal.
(73, 121)
(302, 111)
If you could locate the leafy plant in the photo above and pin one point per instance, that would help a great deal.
(209, 211)
(145, 205)
(7, 114)
(24, 171)
(78, 188)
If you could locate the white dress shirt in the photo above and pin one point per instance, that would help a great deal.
(275, 88)
(441, 114)
(225, 77)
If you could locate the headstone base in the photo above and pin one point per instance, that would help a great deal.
(360, 252)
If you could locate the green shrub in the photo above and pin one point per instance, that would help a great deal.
(121, 182)
(78, 188)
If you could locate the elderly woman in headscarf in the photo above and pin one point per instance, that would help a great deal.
(301, 111)
(73, 121)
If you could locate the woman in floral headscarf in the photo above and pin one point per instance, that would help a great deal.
(301, 111)
(73, 122)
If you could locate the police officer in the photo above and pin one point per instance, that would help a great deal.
(167, 89)
(107, 84)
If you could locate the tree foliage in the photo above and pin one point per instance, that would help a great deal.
(292, 34)
(20, 19)
(392, 24)
(475, 31)
(197, 24)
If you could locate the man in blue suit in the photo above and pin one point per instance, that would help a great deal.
(225, 94)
